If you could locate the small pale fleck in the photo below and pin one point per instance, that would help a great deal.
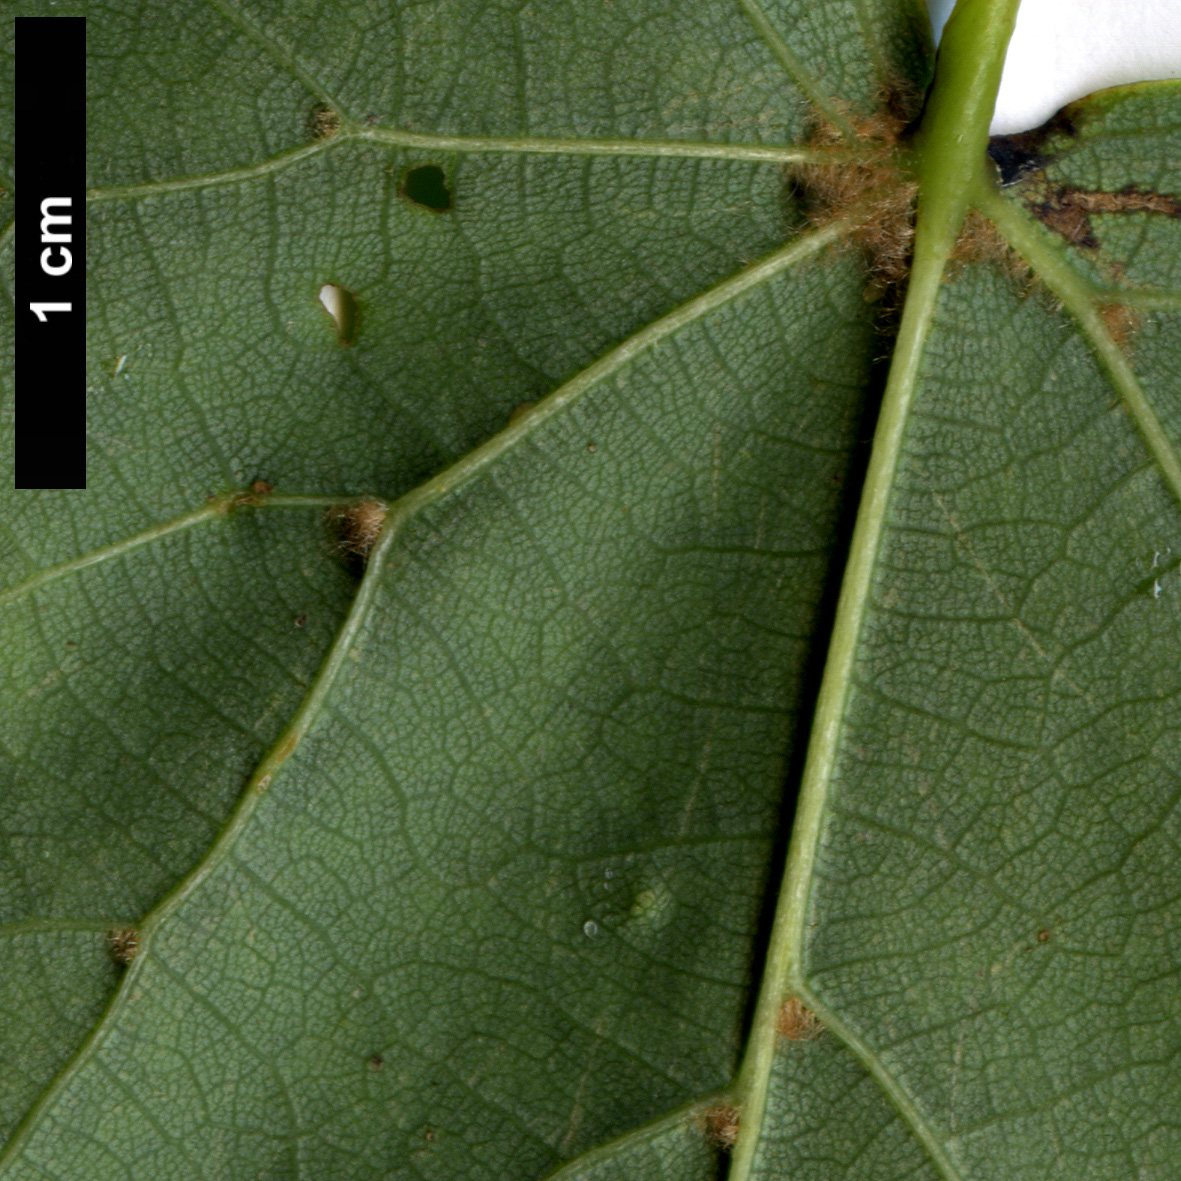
(1156, 588)
(119, 365)
(590, 928)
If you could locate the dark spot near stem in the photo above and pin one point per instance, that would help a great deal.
(426, 186)
(1016, 156)
(1012, 160)
(301, 620)
(377, 1061)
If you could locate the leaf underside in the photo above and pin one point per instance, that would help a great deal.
(460, 861)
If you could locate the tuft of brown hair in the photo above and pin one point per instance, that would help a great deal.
(865, 181)
(124, 943)
(1122, 321)
(721, 1126)
(981, 242)
(323, 122)
(798, 1023)
(358, 525)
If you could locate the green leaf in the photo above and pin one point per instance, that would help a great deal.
(401, 736)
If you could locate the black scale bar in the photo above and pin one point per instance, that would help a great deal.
(51, 253)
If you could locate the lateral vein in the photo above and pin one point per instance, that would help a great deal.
(795, 68)
(509, 145)
(1079, 299)
(219, 507)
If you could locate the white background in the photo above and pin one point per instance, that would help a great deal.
(1063, 49)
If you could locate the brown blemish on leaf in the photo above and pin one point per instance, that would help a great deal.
(1043, 936)
(798, 1023)
(358, 525)
(1122, 321)
(721, 1126)
(1067, 211)
(865, 181)
(253, 496)
(1129, 199)
(124, 943)
(1064, 216)
(323, 122)
(257, 493)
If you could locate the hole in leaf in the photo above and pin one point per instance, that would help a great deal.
(341, 305)
(427, 186)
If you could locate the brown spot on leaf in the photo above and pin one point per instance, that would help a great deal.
(323, 122)
(1060, 214)
(358, 525)
(798, 1023)
(721, 1126)
(124, 943)
(1122, 321)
